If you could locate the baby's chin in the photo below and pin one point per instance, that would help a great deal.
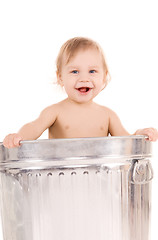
(79, 100)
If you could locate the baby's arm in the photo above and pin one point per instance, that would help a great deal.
(116, 128)
(34, 129)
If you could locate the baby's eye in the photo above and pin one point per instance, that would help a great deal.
(92, 71)
(74, 71)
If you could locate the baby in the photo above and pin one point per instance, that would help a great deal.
(83, 72)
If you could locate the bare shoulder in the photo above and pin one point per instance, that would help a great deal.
(50, 109)
(51, 112)
(113, 117)
(49, 115)
(110, 112)
(105, 109)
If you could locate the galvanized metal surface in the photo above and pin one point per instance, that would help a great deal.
(77, 189)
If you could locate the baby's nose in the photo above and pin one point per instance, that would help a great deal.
(84, 78)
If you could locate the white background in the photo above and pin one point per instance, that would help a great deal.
(31, 34)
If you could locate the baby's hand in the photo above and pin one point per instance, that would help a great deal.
(151, 133)
(12, 140)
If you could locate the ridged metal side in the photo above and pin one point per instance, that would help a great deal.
(79, 203)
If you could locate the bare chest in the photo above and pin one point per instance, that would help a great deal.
(80, 124)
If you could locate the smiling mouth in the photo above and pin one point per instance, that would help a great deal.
(84, 89)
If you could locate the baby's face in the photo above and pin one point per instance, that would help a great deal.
(83, 76)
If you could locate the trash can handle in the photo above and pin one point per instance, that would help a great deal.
(142, 172)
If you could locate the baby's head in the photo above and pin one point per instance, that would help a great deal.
(70, 49)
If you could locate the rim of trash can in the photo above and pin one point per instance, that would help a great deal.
(81, 148)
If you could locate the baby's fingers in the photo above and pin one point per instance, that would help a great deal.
(152, 134)
(16, 141)
(12, 140)
(6, 141)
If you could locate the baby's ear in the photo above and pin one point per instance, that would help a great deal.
(104, 85)
(59, 79)
(107, 78)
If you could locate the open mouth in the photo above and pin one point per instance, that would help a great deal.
(84, 89)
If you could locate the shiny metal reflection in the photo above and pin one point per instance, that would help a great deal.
(77, 189)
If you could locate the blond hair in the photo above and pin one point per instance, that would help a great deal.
(72, 46)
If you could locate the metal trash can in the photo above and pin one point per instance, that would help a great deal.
(77, 189)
